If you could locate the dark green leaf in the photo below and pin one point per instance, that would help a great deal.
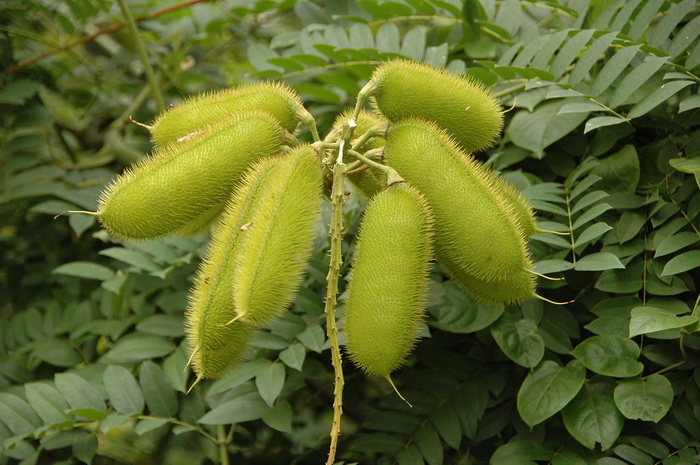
(547, 389)
(657, 97)
(78, 392)
(162, 325)
(131, 257)
(610, 356)
(279, 417)
(89, 413)
(649, 319)
(429, 444)
(175, 369)
(592, 416)
(519, 340)
(239, 375)
(592, 233)
(681, 263)
(569, 51)
(521, 452)
(140, 348)
(644, 18)
(413, 44)
(313, 338)
(598, 262)
(19, 417)
(602, 121)
(619, 282)
(613, 68)
(645, 399)
(57, 351)
(388, 38)
(293, 356)
(235, 411)
(123, 390)
(635, 78)
(620, 171)
(47, 402)
(87, 270)
(85, 448)
(458, 313)
(410, 456)
(157, 391)
(674, 16)
(689, 103)
(446, 423)
(590, 57)
(270, 381)
(675, 243)
(537, 130)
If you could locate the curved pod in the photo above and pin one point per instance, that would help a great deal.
(510, 289)
(196, 113)
(217, 346)
(385, 302)
(457, 104)
(475, 228)
(272, 252)
(182, 185)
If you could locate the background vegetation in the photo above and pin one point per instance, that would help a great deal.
(602, 138)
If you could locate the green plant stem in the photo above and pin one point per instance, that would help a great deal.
(150, 75)
(175, 421)
(571, 229)
(336, 234)
(223, 443)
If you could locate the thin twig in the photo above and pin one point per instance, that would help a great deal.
(108, 30)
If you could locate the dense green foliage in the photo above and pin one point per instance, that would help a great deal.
(602, 138)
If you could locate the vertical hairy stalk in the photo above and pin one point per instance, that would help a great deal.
(150, 76)
(336, 233)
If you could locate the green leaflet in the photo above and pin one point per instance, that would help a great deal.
(387, 292)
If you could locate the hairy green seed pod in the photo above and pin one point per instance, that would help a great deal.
(370, 181)
(184, 184)
(273, 251)
(217, 345)
(385, 301)
(455, 103)
(196, 113)
(475, 228)
(521, 207)
(511, 289)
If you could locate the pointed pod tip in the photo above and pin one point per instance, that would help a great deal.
(553, 302)
(196, 381)
(388, 378)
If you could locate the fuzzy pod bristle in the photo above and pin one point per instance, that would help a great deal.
(386, 294)
(475, 228)
(273, 252)
(198, 112)
(217, 343)
(370, 181)
(522, 210)
(457, 104)
(180, 187)
(511, 289)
